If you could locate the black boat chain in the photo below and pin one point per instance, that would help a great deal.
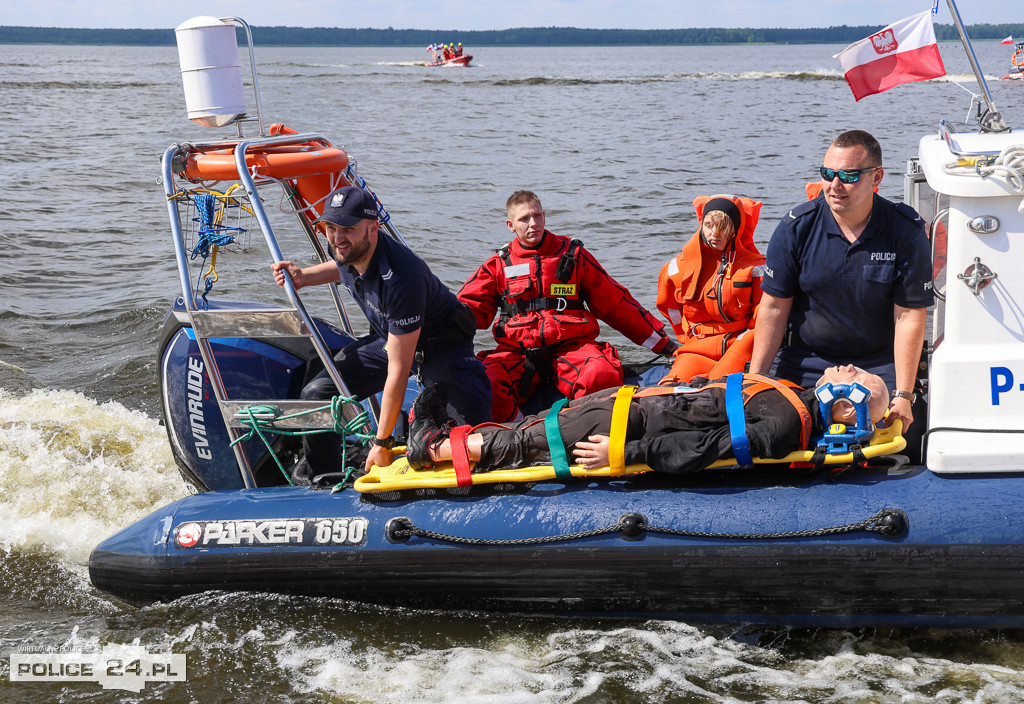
(887, 523)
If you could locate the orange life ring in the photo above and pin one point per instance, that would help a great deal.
(284, 162)
(1017, 59)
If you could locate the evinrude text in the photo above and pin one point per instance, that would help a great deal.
(195, 408)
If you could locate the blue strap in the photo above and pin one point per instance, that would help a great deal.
(556, 447)
(737, 421)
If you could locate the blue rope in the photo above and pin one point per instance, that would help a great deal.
(209, 235)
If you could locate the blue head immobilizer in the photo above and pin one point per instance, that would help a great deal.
(838, 438)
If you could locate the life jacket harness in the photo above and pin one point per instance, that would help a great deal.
(726, 326)
(565, 272)
(739, 389)
(537, 360)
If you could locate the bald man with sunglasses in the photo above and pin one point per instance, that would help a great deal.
(847, 279)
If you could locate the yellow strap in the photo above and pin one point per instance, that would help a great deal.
(617, 435)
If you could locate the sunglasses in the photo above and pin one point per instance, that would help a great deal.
(845, 175)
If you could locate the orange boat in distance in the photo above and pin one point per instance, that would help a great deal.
(448, 55)
(1016, 63)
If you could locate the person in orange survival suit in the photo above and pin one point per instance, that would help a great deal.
(549, 293)
(709, 292)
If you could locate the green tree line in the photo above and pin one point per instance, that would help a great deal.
(523, 36)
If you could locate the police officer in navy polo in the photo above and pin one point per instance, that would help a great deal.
(847, 279)
(417, 325)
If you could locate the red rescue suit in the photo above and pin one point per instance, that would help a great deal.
(711, 297)
(548, 301)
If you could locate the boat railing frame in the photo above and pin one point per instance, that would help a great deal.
(991, 121)
(296, 322)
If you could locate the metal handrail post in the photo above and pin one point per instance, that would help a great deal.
(993, 122)
(252, 64)
(275, 251)
(339, 305)
(188, 300)
(172, 211)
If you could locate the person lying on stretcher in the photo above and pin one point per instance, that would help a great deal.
(670, 429)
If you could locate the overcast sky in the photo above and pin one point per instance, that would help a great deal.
(497, 14)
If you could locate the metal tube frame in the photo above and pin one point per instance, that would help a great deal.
(252, 65)
(189, 301)
(275, 251)
(993, 120)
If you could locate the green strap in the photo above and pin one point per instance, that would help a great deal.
(555, 445)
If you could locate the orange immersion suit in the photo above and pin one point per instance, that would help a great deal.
(710, 298)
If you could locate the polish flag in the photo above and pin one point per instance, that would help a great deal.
(903, 52)
(1008, 40)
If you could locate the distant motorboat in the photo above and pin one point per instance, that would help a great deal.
(454, 61)
(454, 57)
(1016, 63)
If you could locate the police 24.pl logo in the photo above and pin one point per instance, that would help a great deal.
(272, 533)
(115, 666)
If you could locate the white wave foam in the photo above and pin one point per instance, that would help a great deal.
(967, 78)
(72, 471)
(653, 661)
(817, 73)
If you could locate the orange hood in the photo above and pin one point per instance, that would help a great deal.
(743, 241)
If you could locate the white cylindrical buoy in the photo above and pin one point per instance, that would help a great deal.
(210, 71)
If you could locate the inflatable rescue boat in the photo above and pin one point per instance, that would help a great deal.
(872, 534)
(454, 61)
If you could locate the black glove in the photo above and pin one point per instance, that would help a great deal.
(671, 345)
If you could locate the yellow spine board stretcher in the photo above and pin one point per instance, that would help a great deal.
(399, 476)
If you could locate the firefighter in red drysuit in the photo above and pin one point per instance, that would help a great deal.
(549, 292)
(709, 292)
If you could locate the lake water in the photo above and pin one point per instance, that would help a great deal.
(617, 142)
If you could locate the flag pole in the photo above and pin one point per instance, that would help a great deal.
(991, 121)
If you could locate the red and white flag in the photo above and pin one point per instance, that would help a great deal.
(903, 52)
(1008, 40)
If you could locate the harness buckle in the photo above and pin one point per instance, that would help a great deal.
(697, 331)
(561, 305)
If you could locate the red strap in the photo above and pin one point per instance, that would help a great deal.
(460, 454)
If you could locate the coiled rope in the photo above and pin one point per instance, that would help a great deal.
(212, 234)
(359, 426)
(1009, 164)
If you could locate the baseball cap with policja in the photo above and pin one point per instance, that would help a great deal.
(347, 206)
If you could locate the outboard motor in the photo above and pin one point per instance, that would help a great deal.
(276, 368)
